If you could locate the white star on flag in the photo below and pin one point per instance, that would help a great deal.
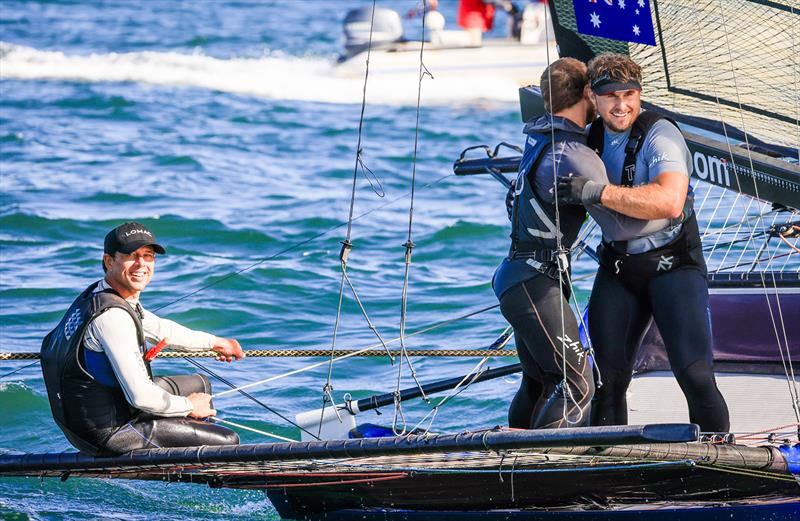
(622, 4)
(637, 11)
(641, 3)
(595, 20)
(636, 30)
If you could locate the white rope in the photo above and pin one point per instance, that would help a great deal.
(309, 367)
(251, 429)
(795, 404)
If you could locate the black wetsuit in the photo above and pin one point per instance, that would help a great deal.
(659, 276)
(557, 384)
(92, 410)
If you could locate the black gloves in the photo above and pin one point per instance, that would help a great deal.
(579, 190)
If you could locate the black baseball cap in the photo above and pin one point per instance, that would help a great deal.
(129, 237)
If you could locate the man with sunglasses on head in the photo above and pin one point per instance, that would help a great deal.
(653, 266)
(96, 363)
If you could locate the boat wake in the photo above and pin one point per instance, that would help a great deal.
(275, 76)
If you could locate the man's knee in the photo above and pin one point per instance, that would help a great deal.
(697, 379)
(184, 384)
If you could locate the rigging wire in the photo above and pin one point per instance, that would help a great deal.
(248, 396)
(15, 371)
(426, 329)
(347, 245)
(296, 245)
(790, 378)
(466, 381)
(563, 262)
(409, 246)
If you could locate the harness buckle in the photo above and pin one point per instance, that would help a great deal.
(538, 266)
(562, 261)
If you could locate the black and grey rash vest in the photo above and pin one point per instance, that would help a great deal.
(87, 411)
(554, 147)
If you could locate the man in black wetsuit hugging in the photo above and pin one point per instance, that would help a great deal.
(532, 283)
(651, 265)
(96, 363)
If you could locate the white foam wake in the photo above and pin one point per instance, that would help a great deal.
(274, 76)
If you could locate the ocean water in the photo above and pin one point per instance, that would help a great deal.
(223, 126)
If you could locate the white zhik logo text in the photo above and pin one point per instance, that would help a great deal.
(665, 263)
(575, 345)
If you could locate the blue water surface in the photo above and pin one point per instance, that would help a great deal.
(233, 177)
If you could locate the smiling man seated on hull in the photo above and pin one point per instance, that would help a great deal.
(96, 367)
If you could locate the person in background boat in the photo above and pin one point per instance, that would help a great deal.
(652, 268)
(475, 17)
(532, 282)
(97, 367)
(434, 21)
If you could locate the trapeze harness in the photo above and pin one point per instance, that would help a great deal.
(534, 234)
(537, 308)
(89, 405)
(634, 270)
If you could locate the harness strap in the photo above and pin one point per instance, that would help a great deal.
(641, 127)
(538, 150)
(596, 139)
(535, 253)
(680, 252)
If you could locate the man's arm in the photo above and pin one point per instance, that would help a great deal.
(668, 160)
(663, 198)
(182, 338)
(115, 333)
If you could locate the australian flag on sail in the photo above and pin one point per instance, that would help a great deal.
(626, 20)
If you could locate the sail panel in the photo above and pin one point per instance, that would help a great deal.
(735, 62)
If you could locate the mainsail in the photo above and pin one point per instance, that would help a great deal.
(729, 73)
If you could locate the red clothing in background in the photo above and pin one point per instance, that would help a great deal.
(474, 14)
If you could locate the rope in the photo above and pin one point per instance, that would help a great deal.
(314, 353)
(559, 245)
(327, 390)
(366, 349)
(466, 381)
(790, 379)
(249, 397)
(251, 429)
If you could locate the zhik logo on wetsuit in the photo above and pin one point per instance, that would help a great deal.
(665, 263)
(73, 323)
(575, 345)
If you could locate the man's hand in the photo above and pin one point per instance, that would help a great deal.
(201, 405)
(228, 350)
(510, 198)
(578, 190)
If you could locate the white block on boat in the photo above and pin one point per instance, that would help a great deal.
(334, 427)
(756, 401)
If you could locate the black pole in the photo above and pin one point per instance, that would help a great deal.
(379, 400)
(148, 459)
(487, 165)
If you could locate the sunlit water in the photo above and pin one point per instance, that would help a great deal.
(223, 127)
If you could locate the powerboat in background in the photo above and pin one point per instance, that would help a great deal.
(449, 54)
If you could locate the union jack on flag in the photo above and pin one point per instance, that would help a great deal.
(626, 20)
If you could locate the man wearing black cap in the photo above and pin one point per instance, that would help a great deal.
(97, 367)
(651, 267)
